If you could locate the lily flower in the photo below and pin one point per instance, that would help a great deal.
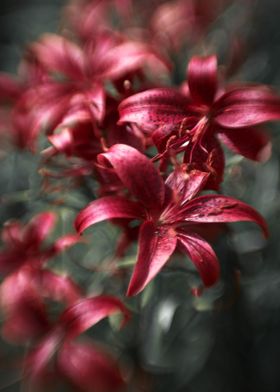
(169, 212)
(23, 243)
(24, 296)
(77, 76)
(176, 22)
(88, 17)
(27, 283)
(16, 97)
(84, 140)
(78, 141)
(203, 114)
(84, 364)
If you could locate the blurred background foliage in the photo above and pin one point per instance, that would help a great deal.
(227, 340)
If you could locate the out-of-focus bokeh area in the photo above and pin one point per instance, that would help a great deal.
(227, 340)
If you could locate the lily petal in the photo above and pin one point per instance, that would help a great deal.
(51, 103)
(62, 141)
(22, 301)
(202, 255)
(89, 368)
(10, 262)
(23, 308)
(153, 108)
(108, 207)
(246, 106)
(95, 98)
(156, 245)
(87, 312)
(57, 287)
(251, 143)
(202, 79)
(127, 57)
(137, 173)
(186, 185)
(65, 242)
(38, 228)
(59, 55)
(36, 363)
(214, 208)
(10, 88)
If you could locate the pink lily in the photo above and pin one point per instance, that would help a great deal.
(23, 302)
(177, 22)
(27, 285)
(199, 117)
(23, 244)
(169, 212)
(15, 118)
(83, 139)
(21, 94)
(78, 141)
(77, 75)
(85, 365)
(88, 17)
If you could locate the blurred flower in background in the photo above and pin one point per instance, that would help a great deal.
(59, 99)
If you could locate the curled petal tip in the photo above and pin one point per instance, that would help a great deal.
(108, 207)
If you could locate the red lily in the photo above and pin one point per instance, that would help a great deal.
(24, 290)
(21, 95)
(10, 88)
(123, 134)
(84, 365)
(23, 244)
(87, 17)
(78, 141)
(83, 139)
(80, 144)
(177, 22)
(77, 76)
(167, 23)
(203, 113)
(23, 301)
(15, 118)
(169, 212)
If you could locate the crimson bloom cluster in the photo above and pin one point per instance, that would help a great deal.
(96, 100)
